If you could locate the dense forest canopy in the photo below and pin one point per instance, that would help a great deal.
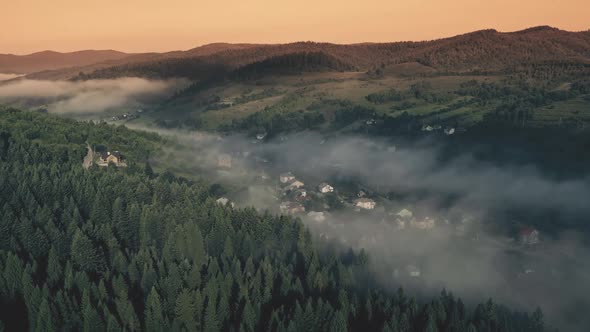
(128, 249)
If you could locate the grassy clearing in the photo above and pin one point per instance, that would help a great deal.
(294, 93)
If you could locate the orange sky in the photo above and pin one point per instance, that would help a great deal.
(159, 25)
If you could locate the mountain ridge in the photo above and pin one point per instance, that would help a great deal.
(47, 60)
(482, 50)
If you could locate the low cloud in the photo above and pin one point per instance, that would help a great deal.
(5, 77)
(486, 261)
(86, 96)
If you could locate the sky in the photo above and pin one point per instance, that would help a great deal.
(155, 25)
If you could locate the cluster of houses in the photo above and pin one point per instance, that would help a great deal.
(295, 189)
(296, 194)
(127, 116)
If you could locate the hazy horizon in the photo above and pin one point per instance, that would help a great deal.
(286, 42)
(137, 27)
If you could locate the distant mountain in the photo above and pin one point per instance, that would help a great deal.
(49, 60)
(292, 63)
(479, 51)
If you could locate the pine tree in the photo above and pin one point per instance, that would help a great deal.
(91, 319)
(44, 318)
(338, 323)
(185, 310)
(154, 317)
(211, 322)
(54, 269)
(248, 317)
(13, 272)
(85, 255)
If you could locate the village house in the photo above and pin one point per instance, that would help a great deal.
(529, 236)
(325, 188)
(413, 271)
(291, 207)
(225, 201)
(427, 128)
(402, 218)
(449, 131)
(287, 177)
(114, 157)
(405, 214)
(365, 203)
(224, 160)
(295, 185)
(300, 194)
(425, 224)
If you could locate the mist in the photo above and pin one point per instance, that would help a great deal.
(91, 96)
(5, 77)
(487, 202)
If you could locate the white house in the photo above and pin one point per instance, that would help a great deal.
(224, 201)
(427, 128)
(405, 214)
(286, 177)
(325, 188)
(413, 271)
(449, 131)
(300, 193)
(365, 203)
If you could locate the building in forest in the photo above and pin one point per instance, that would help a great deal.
(115, 157)
(325, 188)
(365, 203)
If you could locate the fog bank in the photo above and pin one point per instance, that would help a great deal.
(488, 203)
(86, 96)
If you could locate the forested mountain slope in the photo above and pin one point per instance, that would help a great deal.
(479, 51)
(126, 249)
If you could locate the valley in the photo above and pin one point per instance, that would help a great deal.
(301, 177)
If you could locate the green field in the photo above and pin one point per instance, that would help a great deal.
(437, 99)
